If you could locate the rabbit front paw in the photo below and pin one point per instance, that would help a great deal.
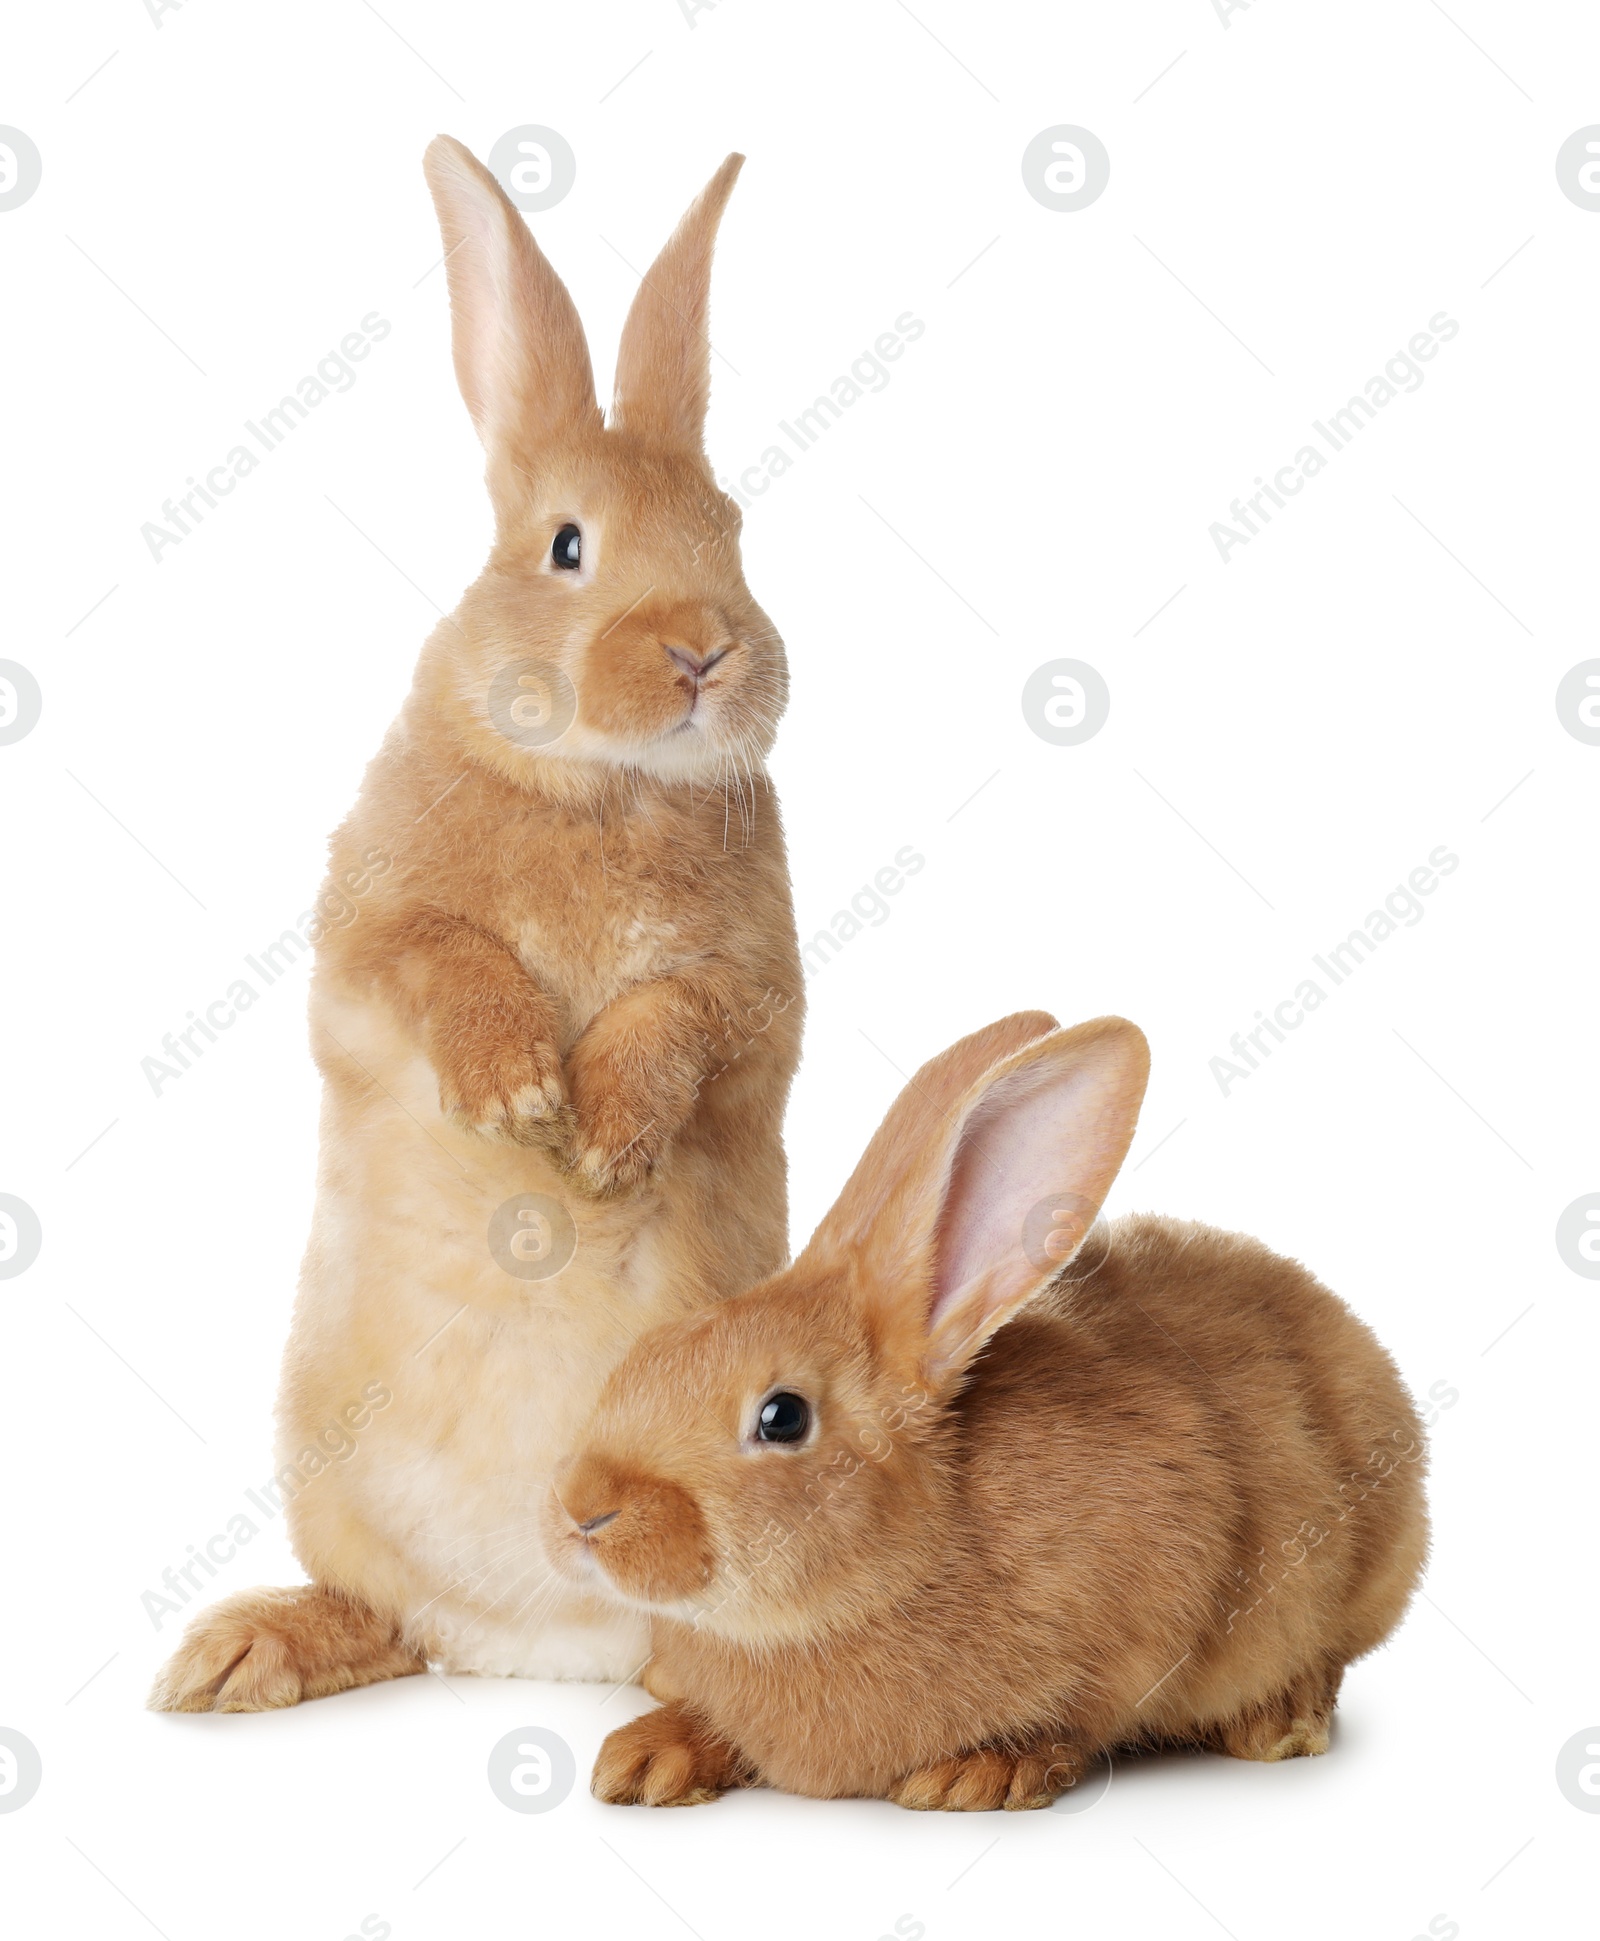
(626, 1115)
(992, 1777)
(665, 1758)
(608, 1158)
(261, 1649)
(515, 1093)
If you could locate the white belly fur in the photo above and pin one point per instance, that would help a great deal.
(431, 1513)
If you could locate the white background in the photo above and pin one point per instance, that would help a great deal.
(1291, 735)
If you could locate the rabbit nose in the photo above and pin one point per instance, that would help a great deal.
(598, 1522)
(687, 661)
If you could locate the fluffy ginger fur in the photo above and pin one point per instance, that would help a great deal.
(558, 960)
(1163, 1492)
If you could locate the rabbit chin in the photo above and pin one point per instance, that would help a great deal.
(576, 1561)
(697, 750)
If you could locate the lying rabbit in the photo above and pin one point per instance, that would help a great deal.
(557, 1035)
(979, 1489)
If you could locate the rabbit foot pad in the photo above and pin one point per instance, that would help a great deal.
(665, 1758)
(263, 1649)
(988, 1779)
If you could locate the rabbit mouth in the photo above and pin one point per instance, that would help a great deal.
(702, 720)
(702, 700)
(583, 1566)
(578, 1560)
(574, 1556)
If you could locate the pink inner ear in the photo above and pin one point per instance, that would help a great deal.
(1034, 1161)
(500, 320)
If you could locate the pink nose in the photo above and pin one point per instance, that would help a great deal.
(687, 661)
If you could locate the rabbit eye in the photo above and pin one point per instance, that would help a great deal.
(783, 1418)
(566, 550)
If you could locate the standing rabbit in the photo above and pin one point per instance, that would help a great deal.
(979, 1489)
(557, 1037)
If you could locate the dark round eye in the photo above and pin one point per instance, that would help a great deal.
(566, 550)
(783, 1418)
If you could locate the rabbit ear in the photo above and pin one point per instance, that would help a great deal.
(888, 1190)
(1041, 1140)
(521, 357)
(964, 1208)
(664, 358)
